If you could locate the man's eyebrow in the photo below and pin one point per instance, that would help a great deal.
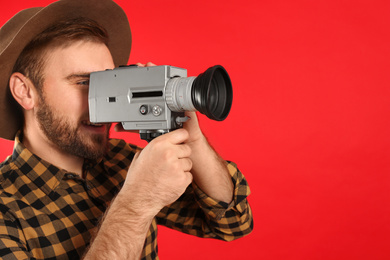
(76, 76)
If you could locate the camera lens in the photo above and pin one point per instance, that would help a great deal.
(212, 93)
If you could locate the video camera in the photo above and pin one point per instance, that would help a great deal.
(153, 99)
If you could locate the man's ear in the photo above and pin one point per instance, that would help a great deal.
(22, 90)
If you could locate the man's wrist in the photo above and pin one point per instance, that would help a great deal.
(134, 207)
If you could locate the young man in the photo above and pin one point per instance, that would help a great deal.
(68, 191)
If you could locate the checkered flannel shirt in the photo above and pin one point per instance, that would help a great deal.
(49, 213)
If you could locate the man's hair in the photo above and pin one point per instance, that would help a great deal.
(31, 61)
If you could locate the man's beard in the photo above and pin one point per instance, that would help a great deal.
(68, 137)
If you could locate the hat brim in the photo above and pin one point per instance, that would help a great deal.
(105, 12)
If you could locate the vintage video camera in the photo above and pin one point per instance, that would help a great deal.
(153, 99)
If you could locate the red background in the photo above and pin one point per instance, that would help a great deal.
(309, 125)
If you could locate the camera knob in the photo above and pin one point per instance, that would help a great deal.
(181, 119)
(157, 110)
(143, 109)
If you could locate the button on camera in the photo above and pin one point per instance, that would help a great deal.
(143, 109)
(157, 110)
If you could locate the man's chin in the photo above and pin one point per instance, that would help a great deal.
(93, 146)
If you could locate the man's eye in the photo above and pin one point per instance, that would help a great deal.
(83, 83)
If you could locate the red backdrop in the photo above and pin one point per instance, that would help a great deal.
(309, 125)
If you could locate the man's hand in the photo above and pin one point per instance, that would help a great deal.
(148, 64)
(160, 173)
(209, 169)
(192, 126)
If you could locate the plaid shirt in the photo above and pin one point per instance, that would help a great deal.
(47, 212)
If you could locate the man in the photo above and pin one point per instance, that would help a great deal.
(68, 191)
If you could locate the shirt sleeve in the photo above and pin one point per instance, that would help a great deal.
(12, 243)
(197, 214)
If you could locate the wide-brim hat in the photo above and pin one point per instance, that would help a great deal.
(25, 25)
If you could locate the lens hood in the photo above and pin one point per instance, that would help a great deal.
(212, 93)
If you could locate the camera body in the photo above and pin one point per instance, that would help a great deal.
(134, 96)
(153, 99)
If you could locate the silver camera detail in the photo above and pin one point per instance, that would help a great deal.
(153, 99)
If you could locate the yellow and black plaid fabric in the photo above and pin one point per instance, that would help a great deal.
(49, 213)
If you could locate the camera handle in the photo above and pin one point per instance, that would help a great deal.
(149, 135)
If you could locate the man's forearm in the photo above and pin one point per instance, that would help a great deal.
(210, 172)
(122, 232)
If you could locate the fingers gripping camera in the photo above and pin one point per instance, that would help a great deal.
(153, 99)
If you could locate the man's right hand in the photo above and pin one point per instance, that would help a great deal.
(160, 173)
